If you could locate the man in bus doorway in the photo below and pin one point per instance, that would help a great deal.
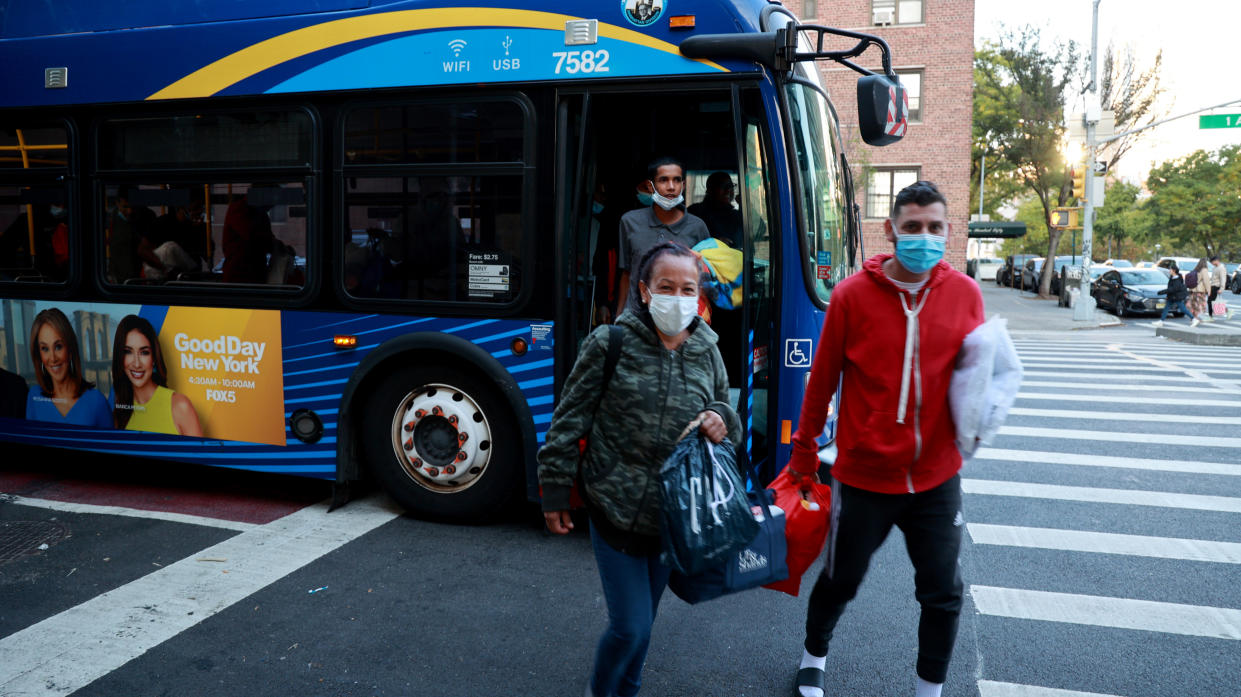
(890, 341)
(665, 219)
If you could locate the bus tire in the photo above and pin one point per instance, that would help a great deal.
(442, 443)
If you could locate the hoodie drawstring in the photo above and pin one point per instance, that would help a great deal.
(911, 348)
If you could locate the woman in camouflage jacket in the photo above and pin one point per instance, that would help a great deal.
(668, 375)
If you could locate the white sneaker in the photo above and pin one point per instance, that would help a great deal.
(1194, 322)
(1157, 323)
(1208, 318)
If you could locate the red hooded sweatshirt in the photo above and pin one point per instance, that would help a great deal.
(881, 446)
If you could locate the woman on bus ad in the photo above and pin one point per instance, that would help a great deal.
(64, 395)
(141, 397)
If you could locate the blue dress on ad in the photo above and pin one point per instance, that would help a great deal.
(91, 409)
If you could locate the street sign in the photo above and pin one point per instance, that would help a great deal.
(997, 229)
(1219, 121)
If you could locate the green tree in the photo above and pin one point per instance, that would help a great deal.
(1130, 93)
(1195, 203)
(1019, 95)
(1122, 223)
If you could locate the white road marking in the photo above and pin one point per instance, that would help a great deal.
(1101, 611)
(1131, 497)
(991, 688)
(1095, 399)
(1125, 416)
(1100, 377)
(69, 507)
(1112, 366)
(1105, 386)
(1111, 436)
(1106, 543)
(1085, 460)
(68, 651)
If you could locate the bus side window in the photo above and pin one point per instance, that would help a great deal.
(35, 227)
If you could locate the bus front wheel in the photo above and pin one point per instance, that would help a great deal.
(442, 443)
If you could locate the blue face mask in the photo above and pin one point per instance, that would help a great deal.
(645, 198)
(596, 208)
(918, 253)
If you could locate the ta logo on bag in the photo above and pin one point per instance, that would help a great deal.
(719, 495)
(641, 13)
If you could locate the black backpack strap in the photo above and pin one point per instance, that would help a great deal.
(615, 337)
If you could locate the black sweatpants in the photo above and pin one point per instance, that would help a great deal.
(932, 524)
(1211, 301)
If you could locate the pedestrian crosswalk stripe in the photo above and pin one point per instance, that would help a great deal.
(72, 507)
(1085, 460)
(1094, 399)
(1106, 543)
(84, 643)
(1131, 497)
(1123, 416)
(1101, 377)
(1101, 611)
(1150, 388)
(1122, 359)
(1115, 437)
(991, 688)
(1102, 365)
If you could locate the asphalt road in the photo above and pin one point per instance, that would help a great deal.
(1102, 558)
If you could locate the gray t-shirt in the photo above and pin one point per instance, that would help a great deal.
(640, 230)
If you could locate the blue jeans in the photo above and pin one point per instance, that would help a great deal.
(1172, 306)
(632, 587)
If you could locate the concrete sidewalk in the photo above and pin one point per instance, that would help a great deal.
(1027, 312)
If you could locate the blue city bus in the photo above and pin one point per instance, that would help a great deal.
(364, 238)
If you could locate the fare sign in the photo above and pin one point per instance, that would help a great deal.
(1219, 121)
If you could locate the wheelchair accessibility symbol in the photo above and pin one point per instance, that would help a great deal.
(797, 353)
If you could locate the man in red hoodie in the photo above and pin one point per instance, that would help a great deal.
(890, 341)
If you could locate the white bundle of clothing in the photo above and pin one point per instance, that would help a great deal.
(984, 384)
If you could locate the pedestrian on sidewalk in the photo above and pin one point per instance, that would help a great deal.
(1198, 282)
(1176, 294)
(891, 340)
(667, 373)
(1219, 278)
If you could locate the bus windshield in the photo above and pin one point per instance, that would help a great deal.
(819, 187)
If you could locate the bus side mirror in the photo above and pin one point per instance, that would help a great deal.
(883, 109)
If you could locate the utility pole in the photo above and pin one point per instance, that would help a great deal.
(1084, 309)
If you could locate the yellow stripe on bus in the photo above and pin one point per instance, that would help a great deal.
(253, 60)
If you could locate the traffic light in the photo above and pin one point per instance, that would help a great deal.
(1064, 218)
(1078, 173)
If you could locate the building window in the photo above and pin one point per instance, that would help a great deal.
(810, 9)
(912, 80)
(896, 12)
(883, 186)
(36, 229)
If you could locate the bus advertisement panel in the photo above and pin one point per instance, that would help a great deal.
(208, 372)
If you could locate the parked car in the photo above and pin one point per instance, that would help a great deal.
(1030, 272)
(1069, 277)
(983, 268)
(1185, 264)
(1119, 263)
(1130, 291)
(1144, 265)
(1010, 274)
(1234, 277)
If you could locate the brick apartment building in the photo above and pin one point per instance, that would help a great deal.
(933, 52)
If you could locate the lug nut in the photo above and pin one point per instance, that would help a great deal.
(419, 414)
(462, 437)
(409, 426)
(433, 472)
(450, 470)
(417, 462)
(461, 456)
(409, 444)
(453, 419)
(437, 410)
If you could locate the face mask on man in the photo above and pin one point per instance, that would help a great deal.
(596, 208)
(673, 313)
(57, 211)
(918, 253)
(667, 203)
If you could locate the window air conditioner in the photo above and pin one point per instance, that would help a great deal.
(883, 15)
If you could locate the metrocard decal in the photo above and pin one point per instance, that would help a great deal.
(441, 46)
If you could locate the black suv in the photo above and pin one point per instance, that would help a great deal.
(1006, 276)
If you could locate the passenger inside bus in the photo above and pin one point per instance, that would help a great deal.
(51, 244)
(716, 209)
(247, 240)
(181, 240)
(129, 243)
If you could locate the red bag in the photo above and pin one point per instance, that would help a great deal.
(805, 526)
(1220, 308)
